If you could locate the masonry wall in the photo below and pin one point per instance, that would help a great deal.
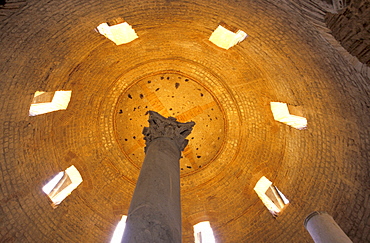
(51, 45)
(352, 29)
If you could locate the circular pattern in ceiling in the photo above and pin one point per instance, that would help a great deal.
(171, 94)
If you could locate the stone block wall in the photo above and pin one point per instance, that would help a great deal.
(352, 29)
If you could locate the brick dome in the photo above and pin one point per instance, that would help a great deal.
(174, 69)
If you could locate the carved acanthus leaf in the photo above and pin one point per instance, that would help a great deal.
(161, 127)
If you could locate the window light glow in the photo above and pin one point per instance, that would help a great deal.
(225, 38)
(203, 233)
(62, 185)
(119, 33)
(118, 232)
(59, 101)
(51, 184)
(281, 113)
(273, 199)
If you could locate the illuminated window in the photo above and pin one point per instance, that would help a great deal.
(62, 185)
(273, 199)
(118, 232)
(281, 113)
(118, 31)
(45, 102)
(225, 38)
(203, 233)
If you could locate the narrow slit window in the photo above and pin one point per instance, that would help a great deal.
(118, 31)
(45, 102)
(227, 36)
(281, 113)
(120, 229)
(273, 199)
(203, 233)
(62, 185)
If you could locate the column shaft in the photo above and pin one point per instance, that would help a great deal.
(155, 211)
(323, 229)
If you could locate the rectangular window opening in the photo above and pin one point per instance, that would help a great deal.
(118, 31)
(273, 199)
(203, 233)
(45, 102)
(281, 113)
(225, 38)
(62, 185)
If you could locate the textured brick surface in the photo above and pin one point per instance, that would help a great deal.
(51, 45)
(351, 28)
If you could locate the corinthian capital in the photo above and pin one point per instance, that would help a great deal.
(161, 127)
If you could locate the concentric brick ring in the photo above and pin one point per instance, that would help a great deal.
(175, 93)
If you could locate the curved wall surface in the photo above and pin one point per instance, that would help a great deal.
(173, 68)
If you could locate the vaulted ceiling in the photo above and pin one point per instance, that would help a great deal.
(172, 68)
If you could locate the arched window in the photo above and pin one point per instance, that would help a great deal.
(120, 229)
(203, 233)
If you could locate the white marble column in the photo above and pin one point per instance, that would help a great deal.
(323, 228)
(155, 210)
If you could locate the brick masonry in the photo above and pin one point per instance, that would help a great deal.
(51, 45)
(351, 28)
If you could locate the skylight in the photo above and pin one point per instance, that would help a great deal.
(225, 38)
(203, 233)
(45, 102)
(62, 185)
(273, 199)
(281, 113)
(118, 232)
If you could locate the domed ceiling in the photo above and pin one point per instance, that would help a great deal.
(173, 68)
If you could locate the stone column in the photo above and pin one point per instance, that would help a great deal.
(323, 228)
(155, 211)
